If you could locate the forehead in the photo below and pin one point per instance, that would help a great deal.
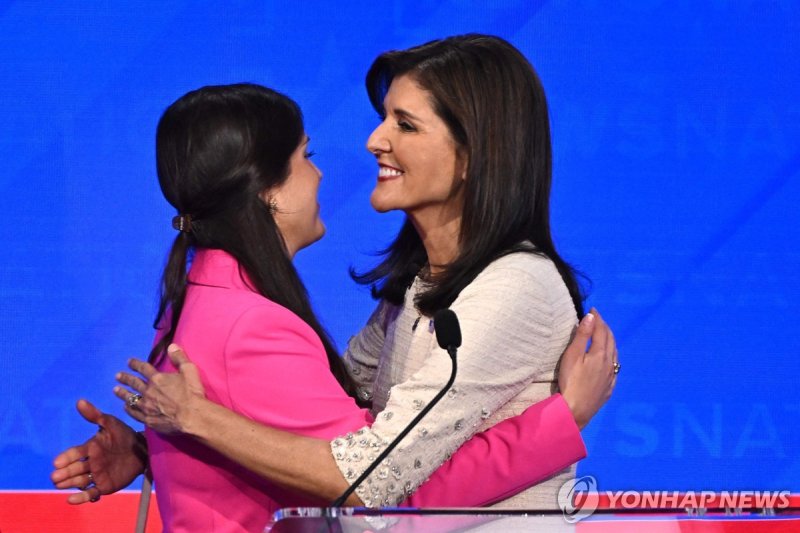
(406, 93)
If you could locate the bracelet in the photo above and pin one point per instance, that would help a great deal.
(142, 453)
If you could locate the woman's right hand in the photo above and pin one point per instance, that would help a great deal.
(166, 401)
(106, 463)
(587, 378)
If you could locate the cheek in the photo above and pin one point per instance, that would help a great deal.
(437, 175)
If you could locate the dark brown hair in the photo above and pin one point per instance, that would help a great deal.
(217, 149)
(494, 105)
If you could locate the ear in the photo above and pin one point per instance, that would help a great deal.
(462, 164)
(267, 197)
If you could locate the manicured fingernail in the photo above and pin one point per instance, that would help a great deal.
(172, 348)
(118, 375)
(589, 318)
(117, 388)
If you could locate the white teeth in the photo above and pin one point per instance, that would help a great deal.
(386, 172)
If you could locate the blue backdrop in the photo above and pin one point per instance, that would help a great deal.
(677, 174)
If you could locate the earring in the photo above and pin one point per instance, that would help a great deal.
(272, 205)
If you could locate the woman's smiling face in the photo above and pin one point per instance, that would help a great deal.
(420, 169)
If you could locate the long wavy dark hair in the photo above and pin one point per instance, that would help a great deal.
(217, 149)
(493, 103)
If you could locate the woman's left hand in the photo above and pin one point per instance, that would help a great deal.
(586, 379)
(166, 401)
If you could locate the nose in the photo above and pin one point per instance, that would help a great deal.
(319, 172)
(377, 142)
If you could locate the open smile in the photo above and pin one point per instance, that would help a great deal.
(386, 172)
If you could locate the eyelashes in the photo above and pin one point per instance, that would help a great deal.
(402, 124)
(405, 126)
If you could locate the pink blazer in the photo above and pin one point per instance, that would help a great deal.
(259, 359)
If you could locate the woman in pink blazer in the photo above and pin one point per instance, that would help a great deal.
(233, 161)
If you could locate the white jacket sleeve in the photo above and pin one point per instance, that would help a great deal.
(364, 349)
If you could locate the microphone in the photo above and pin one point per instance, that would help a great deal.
(448, 336)
(448, 332)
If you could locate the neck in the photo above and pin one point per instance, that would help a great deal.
(439, 233)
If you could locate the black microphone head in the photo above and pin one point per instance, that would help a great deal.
(448, 332)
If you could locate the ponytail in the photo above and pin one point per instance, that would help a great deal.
(173, 294)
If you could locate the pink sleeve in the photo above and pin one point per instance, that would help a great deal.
(278, 374)
(509, 457)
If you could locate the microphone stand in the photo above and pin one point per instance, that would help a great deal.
(451, 351)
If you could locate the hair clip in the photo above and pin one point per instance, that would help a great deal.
(182, 223)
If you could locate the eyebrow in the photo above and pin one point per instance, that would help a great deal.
(403, 113)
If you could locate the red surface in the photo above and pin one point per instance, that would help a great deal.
(36, 512)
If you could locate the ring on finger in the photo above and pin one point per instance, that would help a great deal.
(133, 399)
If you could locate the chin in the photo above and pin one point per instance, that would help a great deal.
(381, 205)
(321, 231)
